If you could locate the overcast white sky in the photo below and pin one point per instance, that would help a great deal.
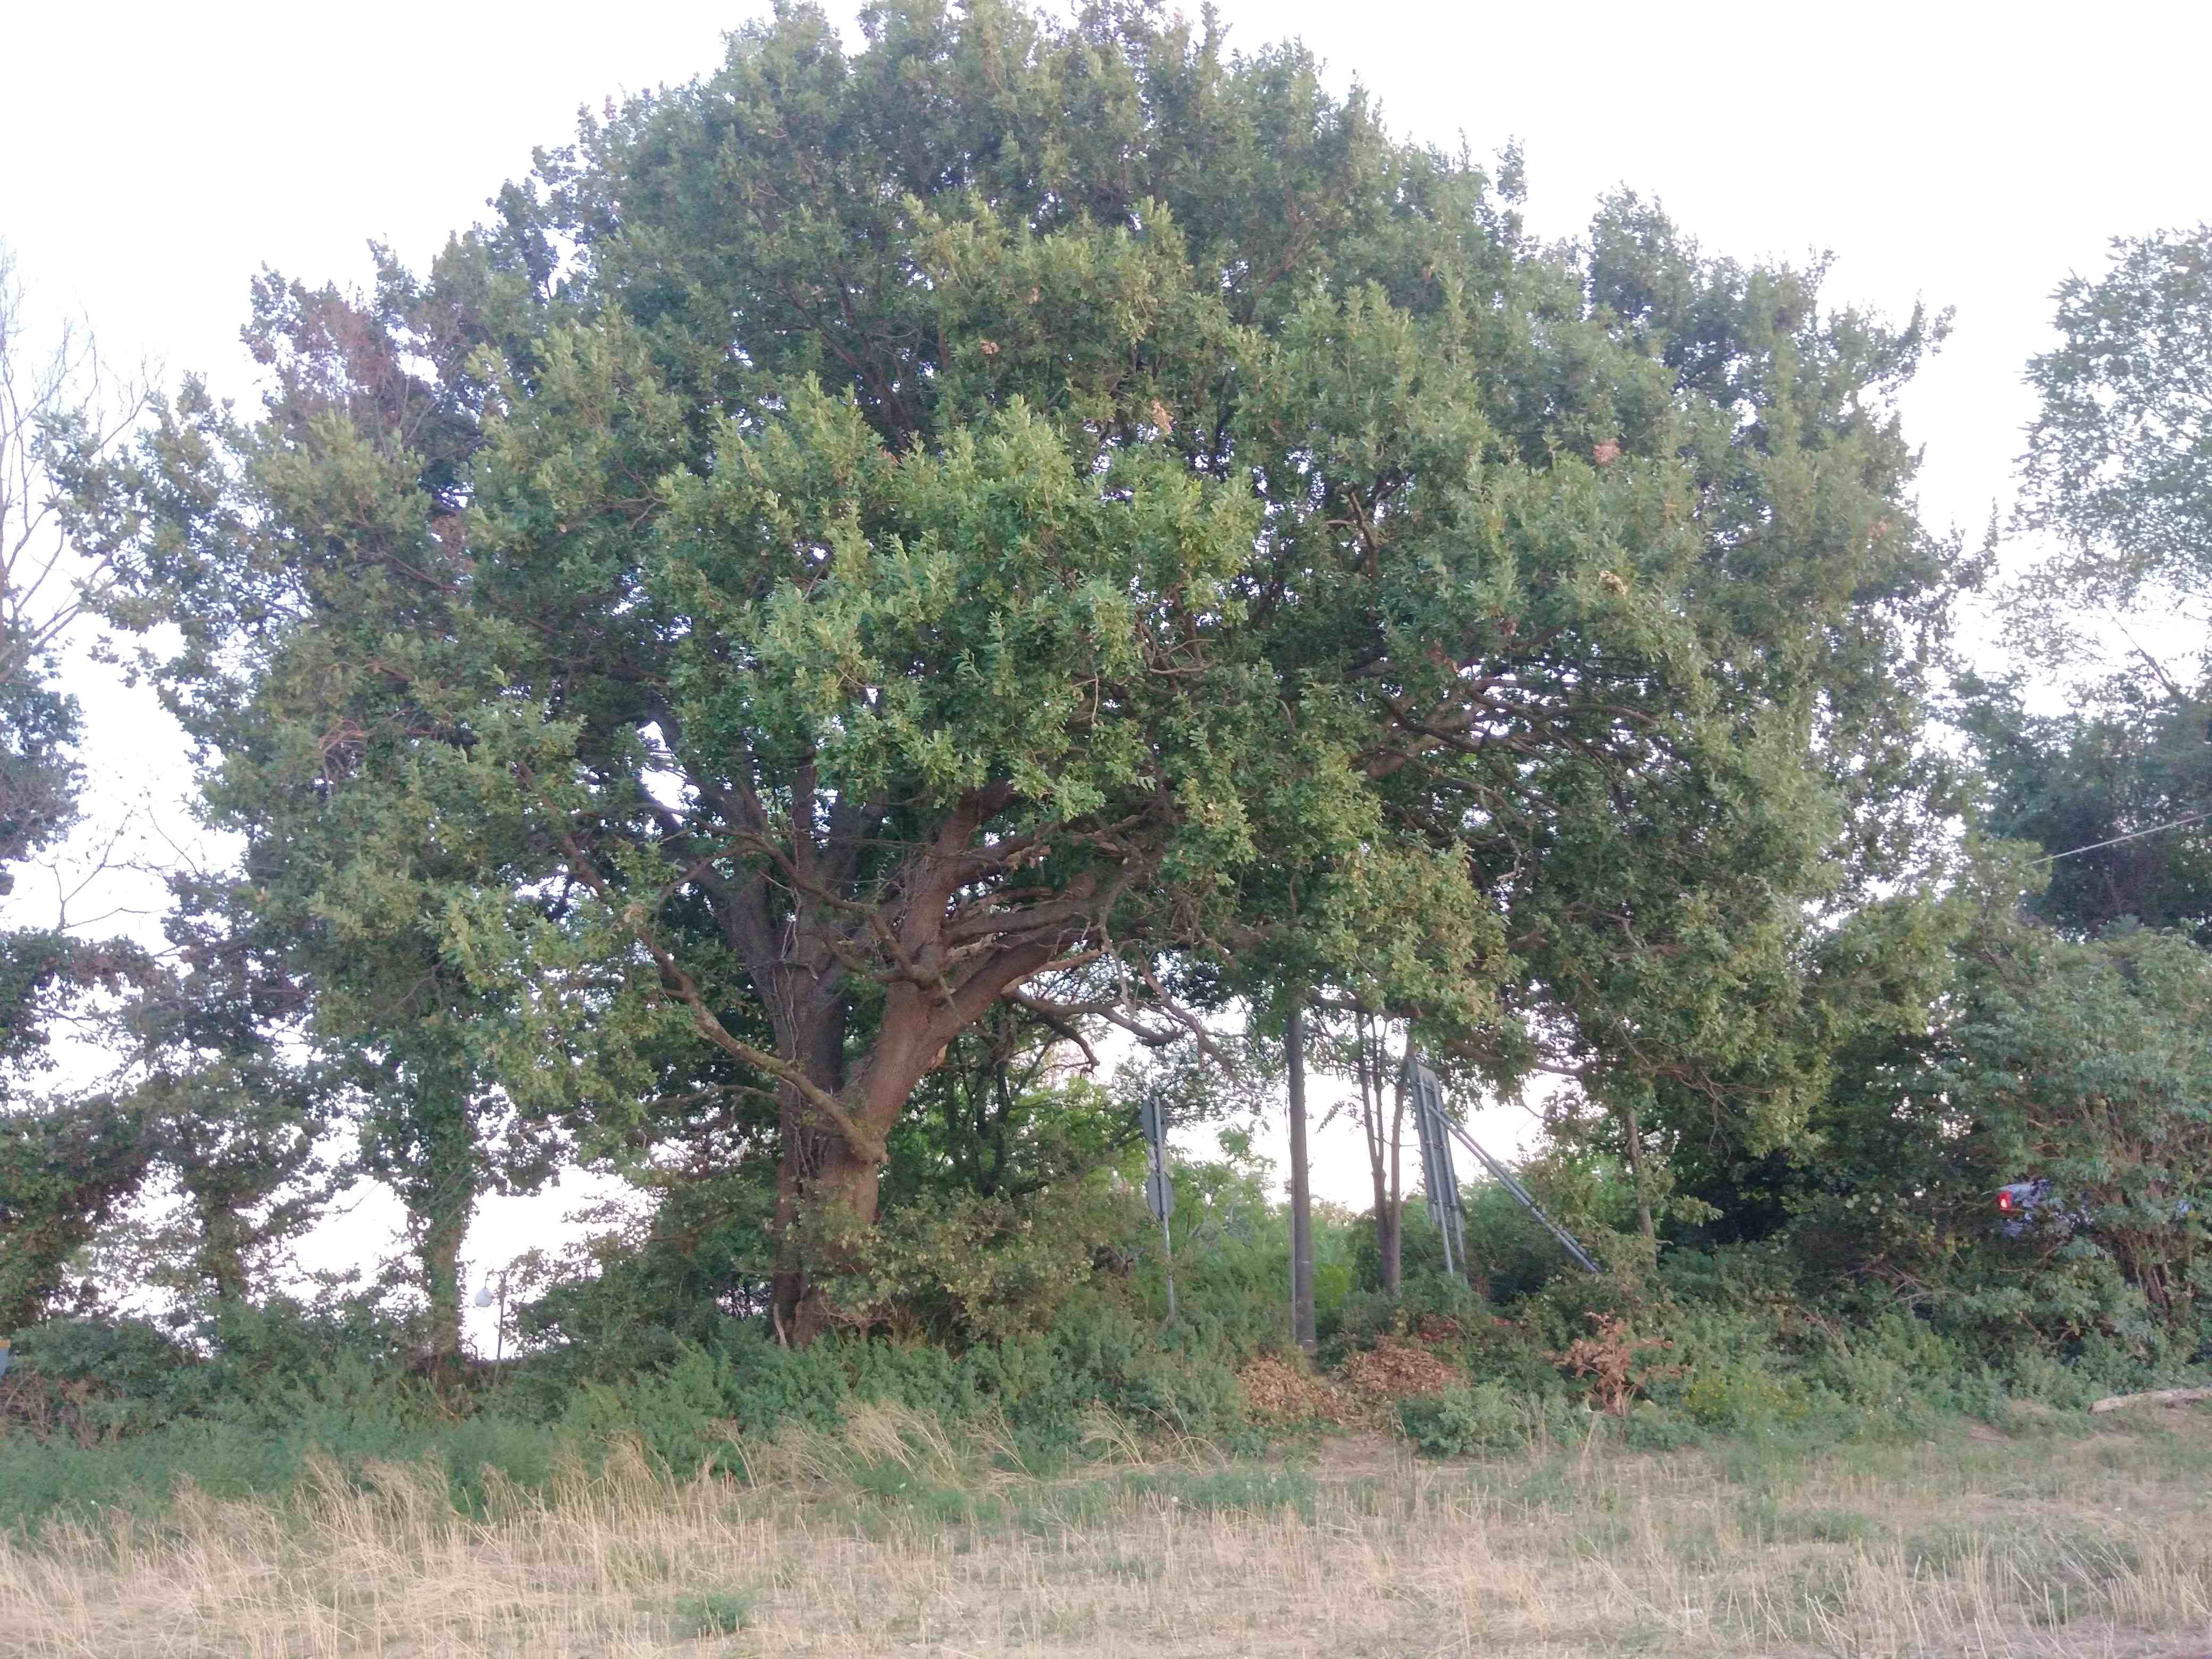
(153, 156)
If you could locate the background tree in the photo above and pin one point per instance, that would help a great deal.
(2118, 466)
(1360, 1045)
(2117, 482)
(1010, 1112)
(70, 1158)
(54, 394)
(2084, 1064)
(68, 1162)
(2120, 784)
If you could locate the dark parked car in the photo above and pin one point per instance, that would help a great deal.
(2019, 1201)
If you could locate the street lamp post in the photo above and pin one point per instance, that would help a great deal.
(485, 1299)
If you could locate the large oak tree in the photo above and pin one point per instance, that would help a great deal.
(1058, 516)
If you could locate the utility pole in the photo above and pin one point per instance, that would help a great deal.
(1301, 1274)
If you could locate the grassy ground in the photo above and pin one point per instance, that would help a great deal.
(2054, 1537)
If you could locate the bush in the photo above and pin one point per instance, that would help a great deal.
(1653, 1427)
(125, 1356)
(1486, 1417)
(1744, 1396)
(966, 1267)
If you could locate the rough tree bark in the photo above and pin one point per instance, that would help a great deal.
(942, 934)
(1634, 1136)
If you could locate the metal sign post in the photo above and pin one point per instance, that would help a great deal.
(1439, 1177)
(1437, 1127)
(1159, 1187)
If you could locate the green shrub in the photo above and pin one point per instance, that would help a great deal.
(1654, 1427)
(128, 1357)
(1486, 1417)
(964, 1267)
(713, 1613)
(1745, 1396)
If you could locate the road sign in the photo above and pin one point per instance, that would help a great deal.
(1159, 1192)
(1153, 1123)
(1159, 1187)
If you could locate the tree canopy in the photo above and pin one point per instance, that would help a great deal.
(1056, 519)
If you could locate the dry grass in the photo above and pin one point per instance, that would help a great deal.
(893, 1543)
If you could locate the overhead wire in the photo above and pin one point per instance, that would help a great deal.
(2133, 835)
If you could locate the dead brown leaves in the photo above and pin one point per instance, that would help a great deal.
(1391, 1371)
(1362, 1393)
(1612, 1357)
(1277, 1391)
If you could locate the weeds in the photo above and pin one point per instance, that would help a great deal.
(903, 1533)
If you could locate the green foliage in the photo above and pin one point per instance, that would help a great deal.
(49, 403)
(1129, 531)
(240, 1406)
(65, 1163)
(999, 1119)
(746, 665)
(2085, 1065)
(2116, 461)
(969, 1267)
(130, 1357)
(1742, 1397)
(65, 1166)
(2130, 755)
(1040, 1385)
(713, 1613)
(1654, 1428)
(1489, 1416)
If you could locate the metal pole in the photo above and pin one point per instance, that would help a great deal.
(1505, 1178)
(1301, 1281)
(1159, 1187)
(1167, 1243)
(1438, 1175)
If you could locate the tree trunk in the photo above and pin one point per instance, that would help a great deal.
(829, 1173)
(223, 1251)
(444, 1232)
(1636, 1171)
(1302, 1277)
(834, 1129)
(1394, 1267)
(845, 1187)
(814, 1167)
(1381, 1158)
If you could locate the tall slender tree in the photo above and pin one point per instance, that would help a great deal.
(1383, 1127)
(68, 1158)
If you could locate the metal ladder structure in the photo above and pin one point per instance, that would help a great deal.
(1437, 1132)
